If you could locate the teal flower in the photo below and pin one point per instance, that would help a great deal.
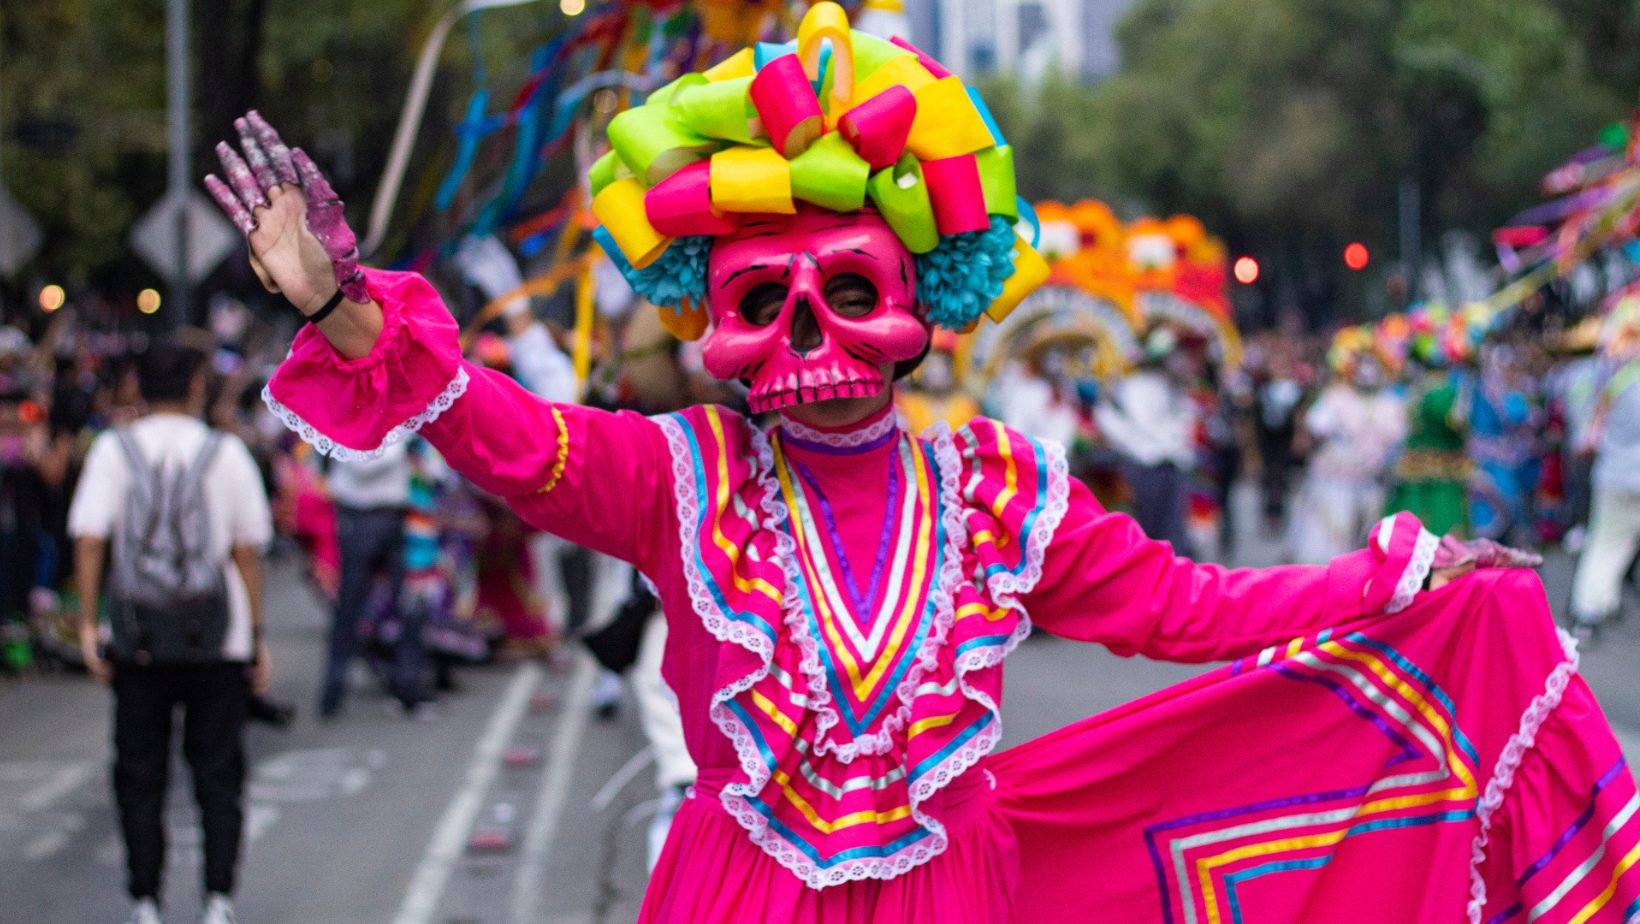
(960, 278)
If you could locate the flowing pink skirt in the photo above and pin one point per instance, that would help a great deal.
(1348, 778)
(711, 872)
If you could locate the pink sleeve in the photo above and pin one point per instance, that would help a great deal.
(587, 475)
(1104, 581)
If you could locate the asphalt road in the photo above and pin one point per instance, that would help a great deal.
(514, 805)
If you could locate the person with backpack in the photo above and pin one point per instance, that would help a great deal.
(184, 509)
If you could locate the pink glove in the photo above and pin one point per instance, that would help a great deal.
(1481, 553)
(267, 163)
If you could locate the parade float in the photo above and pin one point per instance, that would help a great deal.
(1181, 274)
(1086, 313)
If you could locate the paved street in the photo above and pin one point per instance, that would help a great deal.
(372, 818)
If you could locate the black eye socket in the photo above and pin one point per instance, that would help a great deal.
(761, 304)
(851, 295)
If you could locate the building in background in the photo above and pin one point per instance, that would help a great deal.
(1025, 38)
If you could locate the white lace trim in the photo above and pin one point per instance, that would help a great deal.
(1004, 586)
(735, 796)
(329, 447)
(1417, 570)
(977, 747)
(1503, 773)
(841, 440)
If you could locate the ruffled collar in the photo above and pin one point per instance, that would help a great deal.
(873, 433)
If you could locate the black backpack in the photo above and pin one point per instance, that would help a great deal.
(168, 595)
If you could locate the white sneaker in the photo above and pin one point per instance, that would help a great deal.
(145, 912)
(218, 910)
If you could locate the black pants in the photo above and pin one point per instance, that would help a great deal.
(1227, 462)
(212, 697)
(369, 540)
(1159, 503)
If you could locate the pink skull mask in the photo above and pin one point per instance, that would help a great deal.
(810, 306)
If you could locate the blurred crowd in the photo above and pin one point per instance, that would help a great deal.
(1526, 435)
(420, 571)
(1517, 436)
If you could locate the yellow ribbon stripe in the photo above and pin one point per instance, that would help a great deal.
(847, 821)
(980, 609)
(1464, 794)
(729, 549)
(1599, 901)
(807, 557)
(562, 455)
(1011, 488)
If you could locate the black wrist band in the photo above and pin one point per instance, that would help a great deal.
(325, 311)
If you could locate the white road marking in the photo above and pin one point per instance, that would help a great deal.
(549, 801)
(45, 845)
(27, 771)
(623, 776)
(258, 819)
(450, 836)
(313, 775)
(65, 780)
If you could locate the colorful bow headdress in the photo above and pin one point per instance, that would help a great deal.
(838, 119)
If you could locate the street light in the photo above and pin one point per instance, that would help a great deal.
(52, 298)
(1246, 270)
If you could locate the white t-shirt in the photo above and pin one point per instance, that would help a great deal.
(238, 504)
(1150, 420)
(372, 484)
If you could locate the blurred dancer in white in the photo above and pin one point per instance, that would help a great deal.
(1151, 421)
(1614, 516)
(1357, 424)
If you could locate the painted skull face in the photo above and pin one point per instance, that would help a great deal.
(809, 307)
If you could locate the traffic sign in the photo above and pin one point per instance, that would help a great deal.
(20, 236)
(211, 237)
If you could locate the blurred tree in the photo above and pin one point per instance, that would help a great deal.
(1289, 125)
(84, 113)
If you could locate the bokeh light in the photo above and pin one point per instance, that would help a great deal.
(52, 297)
(148, 301)
(1246, 270)
(572, 7)
(1356, 256)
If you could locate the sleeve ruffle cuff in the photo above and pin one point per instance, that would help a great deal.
(353, 409)
(1405, 552)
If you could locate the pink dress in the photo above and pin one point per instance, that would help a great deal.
(841, 605)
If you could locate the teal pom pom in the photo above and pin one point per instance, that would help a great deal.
(678, 273)
(960, 278)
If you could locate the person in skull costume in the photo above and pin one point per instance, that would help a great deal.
(840, 593)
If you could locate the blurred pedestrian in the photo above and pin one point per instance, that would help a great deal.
(1614, 521)
(1503, 418)
(1572, 389)
(186, 513)
(1151, 422)
(1229, 392)
(1357, 424)
(371, 497)
(1277, 397)
(1432, 474)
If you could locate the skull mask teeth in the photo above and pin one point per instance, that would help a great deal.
(810, 307)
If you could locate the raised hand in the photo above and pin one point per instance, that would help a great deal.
(1456, 557)
(1482, 553)
(301, 245)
